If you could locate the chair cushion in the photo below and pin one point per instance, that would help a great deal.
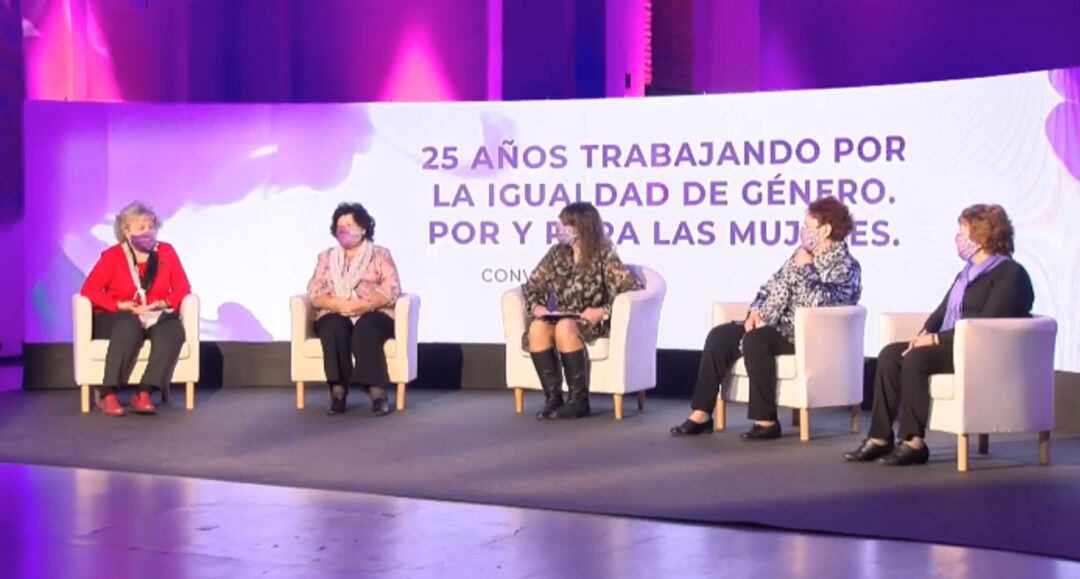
(597, 351)
(98, 349)
(312, 348)
(942, 386)
(785, 367)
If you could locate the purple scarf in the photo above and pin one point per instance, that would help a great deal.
(970, 273)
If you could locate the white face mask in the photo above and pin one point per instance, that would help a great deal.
(566, 234)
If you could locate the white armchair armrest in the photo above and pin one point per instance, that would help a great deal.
(82, 321)
(303, 319)
(899, 327)
(513, 307)
(1005, 373)
(406, 322)
(189, 318)
(635, 324)
(727, 312)
(829, 351)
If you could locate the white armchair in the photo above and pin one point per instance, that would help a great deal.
(307, 354)
(89, 354)
(1003, 379)
(826, 369)
(624, 363)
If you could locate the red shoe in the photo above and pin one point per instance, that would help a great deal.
(111, 406)
(140, 404)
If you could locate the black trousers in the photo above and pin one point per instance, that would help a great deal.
(343, 341)
(126, 335)
(760, 347)
(902, 386)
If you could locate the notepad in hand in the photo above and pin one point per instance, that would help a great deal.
(553, 316)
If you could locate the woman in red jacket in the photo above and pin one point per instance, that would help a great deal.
(136, 289)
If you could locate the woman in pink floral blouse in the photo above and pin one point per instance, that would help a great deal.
(353, 291)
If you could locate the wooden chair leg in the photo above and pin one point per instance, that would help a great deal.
(519, 400)
(984, 443)
(804, 424)
(191, 396)
(962, 452)
(84, 398)
(1044, 448)
(618, 406)
(641, 400)
(855, 412)
(795, 416)
(721, 414)
(301, 395)
(401, 396)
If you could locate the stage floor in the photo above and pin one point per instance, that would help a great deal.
(73, 523)
(470, 446)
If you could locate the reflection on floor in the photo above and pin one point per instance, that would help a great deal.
(62, 522)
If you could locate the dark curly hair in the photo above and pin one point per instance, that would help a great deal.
(585, 220)
(359, 215)
(829, 210)
(990, 227)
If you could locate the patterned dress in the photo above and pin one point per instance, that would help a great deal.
(833, 279)
(558, 284)
(380, 279)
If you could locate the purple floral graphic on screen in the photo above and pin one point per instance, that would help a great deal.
(1063, 124)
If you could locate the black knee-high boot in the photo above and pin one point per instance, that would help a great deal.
(550, 373)
(576, 365)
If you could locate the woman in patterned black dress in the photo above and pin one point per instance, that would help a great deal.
(568, 301)
(821, 273)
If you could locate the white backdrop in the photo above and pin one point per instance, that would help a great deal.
(954, 144)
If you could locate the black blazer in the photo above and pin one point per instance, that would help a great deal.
(1003, 292)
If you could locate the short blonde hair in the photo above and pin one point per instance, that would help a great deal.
(132, 211)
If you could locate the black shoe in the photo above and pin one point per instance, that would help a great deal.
(758, 432)
(338, 395)
(868, 451)
(576, 366)
(549, 371)
(904, 455)
(380, 407)
(573, 409)
(551, 405)
(691, 428)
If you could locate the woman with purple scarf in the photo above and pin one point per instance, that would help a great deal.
(990, 285)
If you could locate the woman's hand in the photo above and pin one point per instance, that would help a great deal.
(753, 321)
(539, 311)
(355, 307)
(921, 341)
(803, 257)
(593, 315)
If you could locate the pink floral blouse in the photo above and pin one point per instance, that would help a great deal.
(380, 279)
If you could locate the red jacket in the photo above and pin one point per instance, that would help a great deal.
(110, 281)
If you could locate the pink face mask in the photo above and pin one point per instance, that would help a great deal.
(809, 238)
(965, 247)
(144, 241)
(349, 237)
